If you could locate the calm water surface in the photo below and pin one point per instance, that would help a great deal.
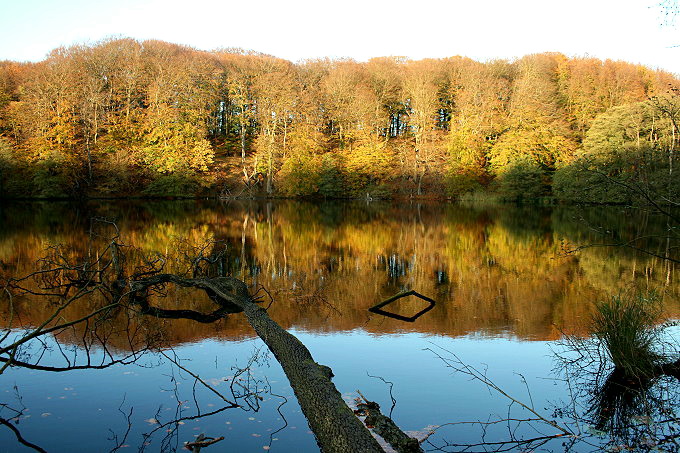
(505, 284)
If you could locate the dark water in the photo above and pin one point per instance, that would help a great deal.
(506, 282)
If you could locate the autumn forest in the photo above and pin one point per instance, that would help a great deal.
(123, 117)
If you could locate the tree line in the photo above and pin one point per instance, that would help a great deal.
(124, 117)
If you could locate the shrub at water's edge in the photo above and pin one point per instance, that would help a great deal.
(626, 328)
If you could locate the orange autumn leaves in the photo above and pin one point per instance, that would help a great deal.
(114, 117)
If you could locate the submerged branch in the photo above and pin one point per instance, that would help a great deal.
(19, 437)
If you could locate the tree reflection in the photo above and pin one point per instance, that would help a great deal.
(609, 408)
(491, 269)
(92, 319)
(108, 285)
(488, 270)
(618, 409)
(12, 420)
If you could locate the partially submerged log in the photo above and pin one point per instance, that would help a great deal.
(334, 424)
(385, 427)
(201, 442)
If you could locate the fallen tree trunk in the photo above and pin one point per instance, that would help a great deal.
(334, 424)
(385, 427)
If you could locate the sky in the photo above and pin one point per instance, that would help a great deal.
(629, 30)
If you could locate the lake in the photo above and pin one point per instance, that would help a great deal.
(509, 282)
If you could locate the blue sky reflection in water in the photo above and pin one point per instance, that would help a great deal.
(84, 411)
(501, 284)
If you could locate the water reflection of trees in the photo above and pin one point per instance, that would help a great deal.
(95, 315)
(490, 270)
(108, 283)
(494, 269)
